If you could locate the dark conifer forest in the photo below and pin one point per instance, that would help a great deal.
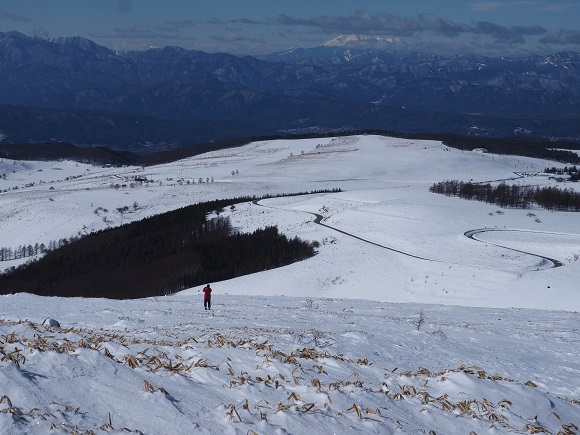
(156, 256)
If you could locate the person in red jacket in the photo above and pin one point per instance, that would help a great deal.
(207, 297)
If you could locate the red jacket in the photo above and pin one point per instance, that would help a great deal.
(207, 293)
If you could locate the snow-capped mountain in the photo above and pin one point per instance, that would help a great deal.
(79, 92)
(367, 42)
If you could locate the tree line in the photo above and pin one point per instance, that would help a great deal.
(511, 196)
(560, 151)
(25, 251)
(156, 256)
(572, 172)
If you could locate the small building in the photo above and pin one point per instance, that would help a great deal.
(480, 150)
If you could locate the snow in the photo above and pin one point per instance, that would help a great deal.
(400, 323)
(365, 41)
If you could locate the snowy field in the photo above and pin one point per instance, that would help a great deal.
(400, 324)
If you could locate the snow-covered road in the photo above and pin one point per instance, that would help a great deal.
(550, 262)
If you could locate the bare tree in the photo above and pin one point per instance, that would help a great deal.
(310, 305)
(420, 320)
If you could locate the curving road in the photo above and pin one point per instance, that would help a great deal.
(318, 220)
(471, 234)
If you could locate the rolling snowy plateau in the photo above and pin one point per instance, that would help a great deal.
(420, 313)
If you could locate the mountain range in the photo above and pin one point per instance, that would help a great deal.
(73, 90)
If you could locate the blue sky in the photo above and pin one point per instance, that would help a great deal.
(495, 28)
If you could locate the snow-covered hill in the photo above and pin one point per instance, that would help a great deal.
(332, 344)
(423, 256)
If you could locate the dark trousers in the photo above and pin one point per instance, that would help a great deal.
(207, 304)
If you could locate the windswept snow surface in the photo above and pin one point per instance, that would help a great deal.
(274, 364)
(332, 344)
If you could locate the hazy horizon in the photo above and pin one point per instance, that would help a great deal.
(493, 28)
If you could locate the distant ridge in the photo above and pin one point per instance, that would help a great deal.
(62, 151)
(73, 90)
